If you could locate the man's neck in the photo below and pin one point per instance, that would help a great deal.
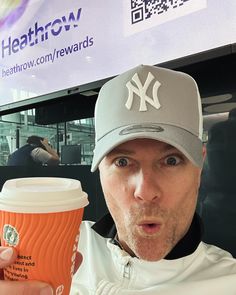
(186, 246)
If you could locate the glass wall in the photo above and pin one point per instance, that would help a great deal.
(77, 135)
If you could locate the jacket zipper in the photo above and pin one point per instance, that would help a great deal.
(126, 271)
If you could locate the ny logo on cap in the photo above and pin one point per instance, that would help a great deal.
(141, 91)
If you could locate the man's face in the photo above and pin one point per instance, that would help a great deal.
(151, 190)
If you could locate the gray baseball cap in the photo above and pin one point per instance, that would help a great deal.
(149, 102)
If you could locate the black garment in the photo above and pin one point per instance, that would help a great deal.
(106, 228)
(22, 157)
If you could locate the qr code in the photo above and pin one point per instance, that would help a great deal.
(140, 15)
(144, 9)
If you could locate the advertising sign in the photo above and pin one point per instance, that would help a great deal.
(47, 46)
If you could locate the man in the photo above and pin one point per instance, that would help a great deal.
(149, 153)
(36, 152)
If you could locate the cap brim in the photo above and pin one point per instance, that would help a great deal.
(184, 141)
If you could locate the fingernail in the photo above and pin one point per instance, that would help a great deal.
(6, 254)
(46, 291)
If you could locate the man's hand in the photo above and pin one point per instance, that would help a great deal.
(78, 261)
(7, 257)
(55, 158)
(45, 142)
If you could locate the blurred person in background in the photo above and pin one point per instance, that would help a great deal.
(36, 152)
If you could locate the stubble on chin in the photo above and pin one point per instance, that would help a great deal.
(148, 247)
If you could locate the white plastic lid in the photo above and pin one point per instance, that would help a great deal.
(42, 195)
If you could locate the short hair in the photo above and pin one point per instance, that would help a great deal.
(35, 140)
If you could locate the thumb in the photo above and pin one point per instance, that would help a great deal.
(7, 256)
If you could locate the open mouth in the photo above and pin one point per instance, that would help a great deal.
(149, 225)
(150, 228)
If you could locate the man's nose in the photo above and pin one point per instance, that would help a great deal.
(146, 187)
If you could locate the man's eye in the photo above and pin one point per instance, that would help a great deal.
(121, 162)
(172, 160)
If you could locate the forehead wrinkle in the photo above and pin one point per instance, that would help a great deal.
(123, 151)
(160, 147)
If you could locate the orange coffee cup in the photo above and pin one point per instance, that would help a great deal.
(41, 217)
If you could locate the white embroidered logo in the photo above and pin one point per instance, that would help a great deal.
(141, 90)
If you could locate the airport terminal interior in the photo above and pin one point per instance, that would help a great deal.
(68, 124)
(67, 121)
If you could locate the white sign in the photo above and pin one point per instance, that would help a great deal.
(47, 46)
